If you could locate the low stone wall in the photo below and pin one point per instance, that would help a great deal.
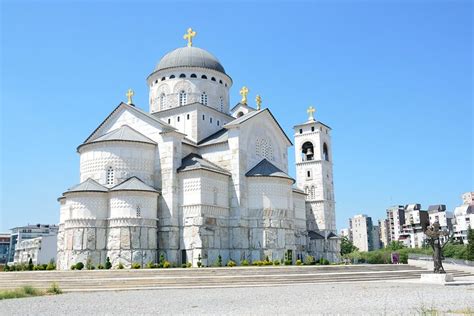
(428, 265)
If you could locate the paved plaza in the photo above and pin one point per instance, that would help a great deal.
(374, 298)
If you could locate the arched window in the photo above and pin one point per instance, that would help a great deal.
(312, 193)
(213, 79)
(172, 77)
(214, 191)
(182, 76)
(110, 175)
(162, 101)
(220, 81)
(183, 98)
(163, 78)
(156, 81)
(325, 152)
(307, 151)
(221, 104)
(306, 190)
(203, 77)
(193, 76)
(138, 211)
(240, 114)
(204, 98)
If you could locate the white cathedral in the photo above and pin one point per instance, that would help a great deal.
(194, 179)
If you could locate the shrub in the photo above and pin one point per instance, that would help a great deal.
(6, 268)
(29, 290)
(30, 265)
(151, 265)
(183, 265)
(108, 264)
(298, 262)
(470, 245)
(219, 261)
(73, 267)
(189, 265)
(276, 262)
(89, 265)
(288, 263)
(244, 263)
(231, 263)
(166, 264)
(162, 259)
(120, 266)
(136, 265)
(324, 261)
(51, 265)
(79, 266)
(54, 289)
(309, 260)
(199, 263)
(100, 266)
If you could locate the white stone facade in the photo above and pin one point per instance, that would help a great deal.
(41, 250)
(192, 180)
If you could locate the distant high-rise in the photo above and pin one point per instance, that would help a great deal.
(364, 234)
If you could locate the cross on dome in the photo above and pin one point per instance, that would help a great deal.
(244, 92)
(189, 36)
(258, 100)
(310, 112)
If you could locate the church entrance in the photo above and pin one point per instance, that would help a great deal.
(184, 258)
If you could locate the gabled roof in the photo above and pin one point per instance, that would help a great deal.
(135, 110)
(220, 136)
(266, 169)
(242, 105)
(332, 235)
(133, 184)
(296, 190)
(124, 133)
(89, 185)
(253, 114)
(195, 162)
(164, 112)
(314, 235)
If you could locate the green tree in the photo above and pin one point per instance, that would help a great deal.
(395, 245)
(347, 246)
(470, 245)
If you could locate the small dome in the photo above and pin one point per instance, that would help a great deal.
(190, 57)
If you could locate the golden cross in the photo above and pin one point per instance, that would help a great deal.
(189, 36)
(258, 100)
(310, 112)
(244, 92)
(129, 95)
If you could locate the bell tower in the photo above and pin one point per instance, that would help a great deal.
(314, 173)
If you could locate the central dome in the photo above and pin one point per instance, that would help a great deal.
(190, 57)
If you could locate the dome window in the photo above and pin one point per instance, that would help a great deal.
(172, 76)
(203, 77)
(213, 79)
(156, 81)
(220, 81)
(182, 76)
(193, 76)
(204, 98)
(225, 85)
(183, 98)
(221, 104)
(163, 78)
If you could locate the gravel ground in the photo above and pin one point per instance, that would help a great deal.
(358, 298)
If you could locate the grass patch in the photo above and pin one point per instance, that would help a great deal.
(29, 291)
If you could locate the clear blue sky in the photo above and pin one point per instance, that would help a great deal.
(393, 80)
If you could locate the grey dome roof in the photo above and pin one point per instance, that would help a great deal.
(190, 57)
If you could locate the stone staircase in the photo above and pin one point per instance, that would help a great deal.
(103, 280)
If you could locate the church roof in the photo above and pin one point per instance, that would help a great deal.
(133, 184)
(195, 161)
(314, 235)
(190, 57)
(253, 114)
(124, 133)
(242, 105)
(266, 169)
(140, 113)
(297, 190)
(88, 185)
(220, 136)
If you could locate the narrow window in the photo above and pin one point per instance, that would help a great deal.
(139, 213)
(220, 81)
(169, 121)
(325, 152)
(172, 77)
(204, 98)
(163, 78)
(218, 123)
(182, 76)
(183, 98)
(301, 131)
(312, 128)
(210, 120)
(215, 196)
(187, 116)
(203, 77)
(110, 175)
(203, 117)
(221, 103)
(193, 76)
(308, 174)
(156, 81)
(178, 118)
